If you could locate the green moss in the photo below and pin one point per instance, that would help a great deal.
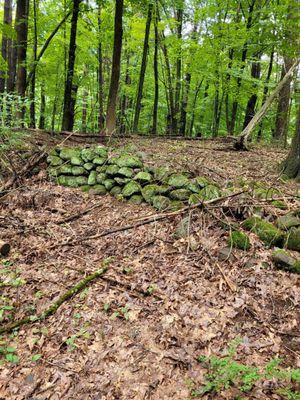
(109, 184)
(136, 199)
(116, 190)
(195, 199)
(77, 161)
(92, 180)
(149, 191)
(161, 202)
(88, 154)
(283, 260)
(131, 188)
(279, 204)
(176, 205)
(88, 166)
(202, 182)
(98, 189)
(161, 174)
(101, 151)
(127, 172)
(54, 161)
(129, 161)
(178, 181)
(101, 177)
(77, 171)
(210, 192)
(112, 170)
(66, 169)
(180, 194)
(122, 181)
(267, 232)
(143, 177)
(67, 154)
(99, 161)
(85, 188)
(293, 239)
(239, 240)
(72, 181)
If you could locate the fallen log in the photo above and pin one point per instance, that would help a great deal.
(55, 306)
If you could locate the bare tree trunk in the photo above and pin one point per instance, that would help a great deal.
(155, 68)
(33, 80)
(22, 33)
(250, 109)
(124, 101)
(101, 119)
(84, 110)
(42, 119)
(7, 21)
(115, 71)
(179, 20)
(139, 96)
(193, 108)
(68, 108)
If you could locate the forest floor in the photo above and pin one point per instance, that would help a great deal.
(113, 341)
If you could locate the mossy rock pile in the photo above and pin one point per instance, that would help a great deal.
(125, 176)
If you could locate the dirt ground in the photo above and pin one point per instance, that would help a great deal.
(136, 333)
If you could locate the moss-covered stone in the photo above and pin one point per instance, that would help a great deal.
(92, 180)
(193, 186)
(112, 160)
(101, 168)
(101, 151)
(131, 188)
(136, 199)
(288, 221)
(99, 190)
(77, 171)
(195, 199)
(182, 229)
(66, 169)
(161, 174)
(67, 154)
(122, 181)
(127, 172)
(283, 260)
(293, 239)
(85, 188)
(176, 205)
(210, 192)
(101, 177)
(112, 170)
(266, 194)
(116, 190)
(267, 232)
(54, 161)
(149, 191)
(109, 184)
(180, 194)
(77, 161)
(160, 202)
(99, 161)
(88, 154)
(202, 182)
(129, 161)
(143, 177)
(72, 181)
(239, 240)
(178, 181)
(88, 166)
(53, 172)
(81, 180)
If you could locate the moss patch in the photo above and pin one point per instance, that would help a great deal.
(267, 232)
(239, 240)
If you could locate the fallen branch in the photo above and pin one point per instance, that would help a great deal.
(73, 217)
(55, 306)
(145, 221)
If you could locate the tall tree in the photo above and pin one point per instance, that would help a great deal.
(179, 20)
(70, 89)
(33, 80)
(111, 116)
(138, 103)
(7, 21)
(101, 119)
(155, 69)
(21, 33)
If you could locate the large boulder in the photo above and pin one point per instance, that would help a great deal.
(210, 192)
(129, 161)
(288, 221)
(283, 260)
(122, 181)
(88, 166)
(131, 188)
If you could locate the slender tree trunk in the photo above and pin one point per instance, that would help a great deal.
(7, 21)
(115, 71)
(193, 108)
(68, 108)
(184, 105)
(250, 109)
(84, 110)
(281, 123)
(266, 90)
(21, 33)
(179, 20)
(43, 108)
(124, 101)
(33, 80)
(202, 113)
(139, 96)
(101, 119)
(155, 68)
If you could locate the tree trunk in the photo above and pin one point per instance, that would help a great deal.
(281, 123)
(115, 71)
(21, 33)
(43, 108)
(179, 20)
(33, 80)
(184, 104)
(250, 109)
(194, 106)
(84, 110)
(101, 119)
(68, 108)
(291, 166)
(124, 101)
(265, 92)
(139, 96)
(7, 21)
(155, 68)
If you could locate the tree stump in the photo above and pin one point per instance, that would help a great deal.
(4, 248)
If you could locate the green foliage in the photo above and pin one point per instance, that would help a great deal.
(225, 373)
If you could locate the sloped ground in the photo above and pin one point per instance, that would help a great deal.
(113, 341)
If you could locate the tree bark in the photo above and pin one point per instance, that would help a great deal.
(68, 108)
(7, 21)
(21, 33)
(43, 108)
(155, 69)
(139, 96)
(115, 71)
(250, 109)
(33, 80)
(101, 119)
(124, 101)
(179, 20)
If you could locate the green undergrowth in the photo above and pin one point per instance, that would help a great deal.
(225, 373)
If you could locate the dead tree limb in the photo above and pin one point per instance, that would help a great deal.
(55, 306)
(242, 139)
